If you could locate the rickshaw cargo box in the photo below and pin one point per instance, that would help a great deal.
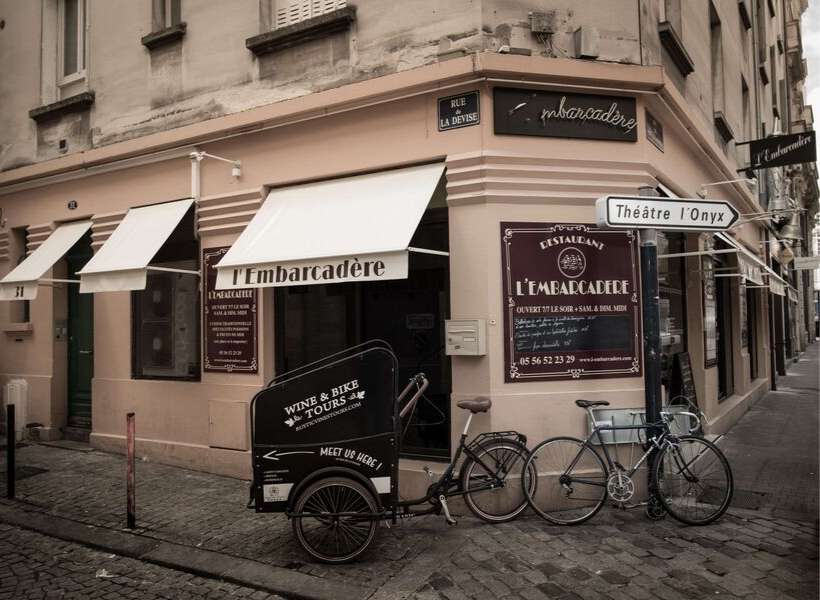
(335, 416)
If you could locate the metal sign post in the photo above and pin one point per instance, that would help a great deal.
(11, 441)
(651, 214)
(650, 305)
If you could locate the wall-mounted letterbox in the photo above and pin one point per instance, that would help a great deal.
(466, 337)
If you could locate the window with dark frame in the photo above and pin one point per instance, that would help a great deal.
(166, 319)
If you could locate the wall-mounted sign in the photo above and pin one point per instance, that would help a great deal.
(571, 302)
(806, 262)
(458, 111)
(556, 114)
(72, 205)
(229, 322)
(780, 150)
(654, 131)
(709, 311)
(680, 214)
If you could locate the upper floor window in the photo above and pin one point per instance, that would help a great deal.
(166, 13)
(290, 12)
(71, 43)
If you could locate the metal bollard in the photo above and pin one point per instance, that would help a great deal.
(10, 444)
(131, 518)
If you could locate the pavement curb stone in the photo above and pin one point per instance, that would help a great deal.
(205, 563)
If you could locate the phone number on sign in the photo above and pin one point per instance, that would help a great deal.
(561, 359)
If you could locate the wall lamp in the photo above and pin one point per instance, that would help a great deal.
(236, 169)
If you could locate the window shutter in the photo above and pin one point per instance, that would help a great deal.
(289, 12)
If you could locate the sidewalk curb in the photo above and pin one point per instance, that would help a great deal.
(203, 563)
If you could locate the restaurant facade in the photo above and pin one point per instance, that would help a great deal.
(447, 209)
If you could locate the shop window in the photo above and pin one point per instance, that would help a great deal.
(316, 320)
(166, 314)
(724, 307)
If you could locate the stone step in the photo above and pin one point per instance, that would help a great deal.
(76, 434)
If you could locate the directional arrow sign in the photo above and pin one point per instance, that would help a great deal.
(806, 262)
(669, 214)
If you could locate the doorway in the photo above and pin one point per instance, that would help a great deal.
(723, 300)
(80, 339)
(316, 320)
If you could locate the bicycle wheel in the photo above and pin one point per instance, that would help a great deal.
(571, 481)
(503, 459)
(335, 539)
(694, 480)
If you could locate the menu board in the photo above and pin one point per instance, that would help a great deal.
(230, 322)
(744, 316)
(709, 312)
(683, 390)
(571, 302)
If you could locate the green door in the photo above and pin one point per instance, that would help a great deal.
(80, 339)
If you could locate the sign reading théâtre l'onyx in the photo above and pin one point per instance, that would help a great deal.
(229, 322)
(559, 114)
(571, 302)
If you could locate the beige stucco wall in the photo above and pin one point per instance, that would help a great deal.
(490, 178)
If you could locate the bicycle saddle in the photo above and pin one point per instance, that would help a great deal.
(591, 403)
(476, 405)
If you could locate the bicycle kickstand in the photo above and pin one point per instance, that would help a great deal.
(447, 517)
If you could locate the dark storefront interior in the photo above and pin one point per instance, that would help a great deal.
(316, 320)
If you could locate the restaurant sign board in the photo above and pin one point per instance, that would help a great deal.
(229, 322)
(781, 150)
(571, 302)
(564, 115)
(679, 214)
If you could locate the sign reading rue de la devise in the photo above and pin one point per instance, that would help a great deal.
(781, 150)
(558, 114)
(455, 112)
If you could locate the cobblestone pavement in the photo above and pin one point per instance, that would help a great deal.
(747, 554)
(773, 448)
(34, 566)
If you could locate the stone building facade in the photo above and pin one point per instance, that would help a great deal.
(113, 106)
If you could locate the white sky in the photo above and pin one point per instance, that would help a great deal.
(811, 51)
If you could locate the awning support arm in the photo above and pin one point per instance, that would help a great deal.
(426, 251)
(168, 270)
(700, 253)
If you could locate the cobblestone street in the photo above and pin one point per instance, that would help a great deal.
(752, 554)
(36, 566)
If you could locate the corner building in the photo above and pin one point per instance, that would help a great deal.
(167, 154)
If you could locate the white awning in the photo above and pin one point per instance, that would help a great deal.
(351, 229)
(753, 268)
(21, 283)
(121, 264)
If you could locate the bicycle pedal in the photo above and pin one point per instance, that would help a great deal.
(447, 516)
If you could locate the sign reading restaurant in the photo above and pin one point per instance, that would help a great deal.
(391, 265)
(781, 150)
(229, 322)
(558, 114)
(571, 302)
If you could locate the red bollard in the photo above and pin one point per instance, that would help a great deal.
(130, 472)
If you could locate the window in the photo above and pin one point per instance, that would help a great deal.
(71, 46)
(166, 13)
(290, 12)
(166, 314)
(716, 46)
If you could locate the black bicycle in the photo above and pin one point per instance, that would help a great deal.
(691, 477)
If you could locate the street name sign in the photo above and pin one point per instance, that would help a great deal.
(667, 214)
(806, 262)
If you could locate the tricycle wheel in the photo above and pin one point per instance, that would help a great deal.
(328, 536)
